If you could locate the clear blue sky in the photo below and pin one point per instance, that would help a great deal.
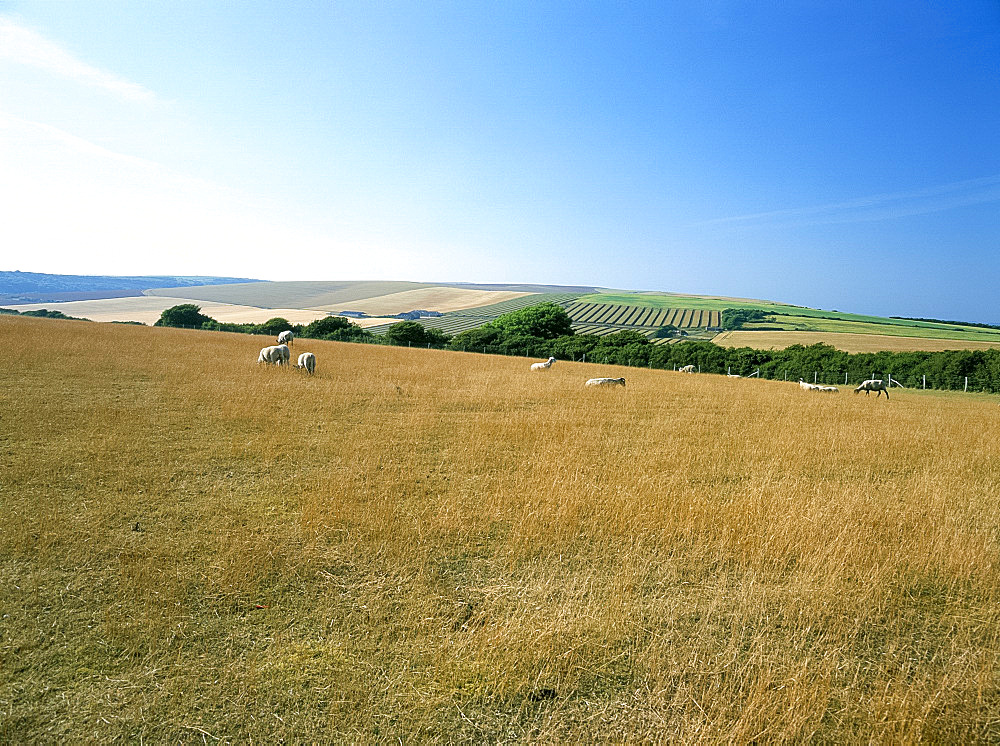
(838, 155)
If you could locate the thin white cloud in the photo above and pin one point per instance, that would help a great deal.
(878, 207)
(26, 47)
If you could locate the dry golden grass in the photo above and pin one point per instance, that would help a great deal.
(147, 309)
(447, 547)
(769, 340)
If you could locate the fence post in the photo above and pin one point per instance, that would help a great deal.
(585, 357)
(845, 377)
(925, 380)
(966, 385)
(815, 374)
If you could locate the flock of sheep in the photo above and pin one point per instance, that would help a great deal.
(279, 354)
(874, 384)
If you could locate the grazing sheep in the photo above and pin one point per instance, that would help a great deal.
(307, 361)
(686, 369)
(276, 354)
(543, 366)
(873, 384)
(269, 355)
(605, 382)
(814, 387)
(733, 375)
(285, 337)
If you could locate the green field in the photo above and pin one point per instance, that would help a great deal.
(888, 327)
(668, 300)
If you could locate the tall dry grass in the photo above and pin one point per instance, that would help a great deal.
(448, 547)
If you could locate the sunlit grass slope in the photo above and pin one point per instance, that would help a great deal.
(429, 545)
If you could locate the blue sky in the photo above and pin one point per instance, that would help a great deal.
(838, 155)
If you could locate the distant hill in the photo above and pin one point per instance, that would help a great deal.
(38, 287)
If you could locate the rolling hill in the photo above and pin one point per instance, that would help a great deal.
(457, 307)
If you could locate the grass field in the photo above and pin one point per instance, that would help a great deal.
(903, 329)
(422, 545)
(778, 340)
(671, 300)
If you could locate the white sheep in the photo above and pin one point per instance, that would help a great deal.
(873, 384)
(307, 361)
(828, 389)
(269, 355)
(605, 382)
(285, 337)
(276, 354)
(686, 369)
(543, 366)
(806, 386)
(733, 375)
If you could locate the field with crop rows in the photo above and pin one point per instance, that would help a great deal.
(640, 317)
(510, 557)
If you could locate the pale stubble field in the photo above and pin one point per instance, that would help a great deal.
(443, 546)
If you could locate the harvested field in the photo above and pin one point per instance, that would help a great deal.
(777, 340)
(508, 557)
(147, 309)
(427, 299)
(305, 294)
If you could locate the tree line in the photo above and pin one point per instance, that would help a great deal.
(546, 329)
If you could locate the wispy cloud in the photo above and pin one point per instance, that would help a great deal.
(878, 207)
(76, 206)
(26, 47)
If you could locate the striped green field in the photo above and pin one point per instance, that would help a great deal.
(615, 316)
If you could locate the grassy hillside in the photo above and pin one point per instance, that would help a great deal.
(198, 548)
(876, 325)
(593, 311)
(848, 342)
